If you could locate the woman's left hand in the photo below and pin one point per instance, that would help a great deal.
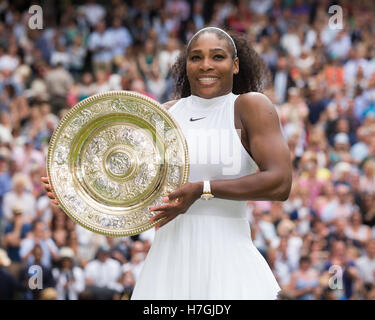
(179, 202)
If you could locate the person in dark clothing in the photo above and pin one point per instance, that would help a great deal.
(9, 286)
(27, 272)
(14, 232)
(317, 103)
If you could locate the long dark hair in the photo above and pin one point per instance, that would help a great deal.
(253, 74)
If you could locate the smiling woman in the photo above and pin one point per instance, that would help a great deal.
(203, 248)
(251, 74)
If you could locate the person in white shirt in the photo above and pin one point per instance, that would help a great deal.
(70, 279)
(121, 38)
(39, 236)
(341, 207)
(93, 12)
(328, 34)
(6, 127)
(136, 262)
(356, 60)
(101, 84)
(135, 266)
(21, 197)
(291, 42)
(359, 151)
(264, 232)
(356, 230)
(10, 61)
(341, 45)
(156, 84)
(168, 56)
(61, 55)
(101, 43)
(366, 264)
(103, 272)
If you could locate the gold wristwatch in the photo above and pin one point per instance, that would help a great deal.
(206, 195)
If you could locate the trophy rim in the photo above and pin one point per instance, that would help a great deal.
(78, 107)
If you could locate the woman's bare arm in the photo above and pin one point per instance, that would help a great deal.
(268, 149)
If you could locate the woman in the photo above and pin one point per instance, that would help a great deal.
(70, 279)
(202, 248)
(357, 230)
(367, 181)
(304, 281)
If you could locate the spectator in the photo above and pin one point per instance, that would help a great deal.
(263, 231)
(341, 149)
(122, 38)
(291, 41)
(156, 84)
(366, 263)
(20, 196)
(5, 127)
(29, 270)
(339, 47)
(59, 228)
(101, 84)
(28, 157)
(348, 271)
(360, 149)
(77, 52)
(135, 265)
(100, 43)
(93, 12)
(86, 87)
(103, 272)
(128, 283)
(358, 231)
(282, 79)
(367, 181)
(148, 60)
(58, 82)
(5, 183)
(339, 208)
(40, 237)
(9, 285)
(61, 56)
(304, 281)
(14, 233)
(70, 279)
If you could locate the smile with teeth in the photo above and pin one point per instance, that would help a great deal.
(207, 79)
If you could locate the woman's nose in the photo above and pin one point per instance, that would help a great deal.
(205, 65)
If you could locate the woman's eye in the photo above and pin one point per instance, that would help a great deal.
(218, 56)
(195, 58)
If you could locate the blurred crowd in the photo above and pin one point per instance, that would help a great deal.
(320, 243)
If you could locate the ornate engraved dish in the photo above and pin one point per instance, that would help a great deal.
(112, 157)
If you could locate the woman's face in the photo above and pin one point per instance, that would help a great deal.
(357, 218)
(210, 66)
(305, 265)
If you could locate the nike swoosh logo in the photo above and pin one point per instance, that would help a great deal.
(192, 119)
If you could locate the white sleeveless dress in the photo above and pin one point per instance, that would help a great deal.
(207, 252)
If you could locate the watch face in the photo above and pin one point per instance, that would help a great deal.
(207, 196)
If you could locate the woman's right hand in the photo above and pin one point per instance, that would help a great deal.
(48, 188)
